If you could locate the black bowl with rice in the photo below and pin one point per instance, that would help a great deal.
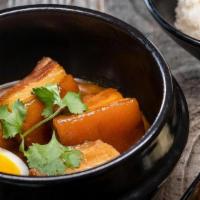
(179, 20)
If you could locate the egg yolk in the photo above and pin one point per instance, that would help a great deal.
(8, 166)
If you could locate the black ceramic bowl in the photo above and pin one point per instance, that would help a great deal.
(100, 48)
(193, 192)
(164, 13)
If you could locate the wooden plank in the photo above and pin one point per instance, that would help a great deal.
(93, 4)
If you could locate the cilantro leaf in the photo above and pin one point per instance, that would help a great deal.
(49, 96)
(53, 158)
(12, 121)
(72, 158)
(74, 103)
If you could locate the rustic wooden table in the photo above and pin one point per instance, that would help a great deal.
(185, 68)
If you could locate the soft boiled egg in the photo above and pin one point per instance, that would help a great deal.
(12, 164)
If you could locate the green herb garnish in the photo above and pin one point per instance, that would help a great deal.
(53, 158)
(50, 96)
(12, 121)
(73, 101)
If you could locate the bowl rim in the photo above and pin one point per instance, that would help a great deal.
(160, 119)
(167, 26)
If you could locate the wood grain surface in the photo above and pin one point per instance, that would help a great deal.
(184, 67)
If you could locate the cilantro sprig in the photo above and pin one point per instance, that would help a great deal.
(53, 158)
(49, 96)
(12, 121)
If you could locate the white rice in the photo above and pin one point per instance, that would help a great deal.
(188, 17)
